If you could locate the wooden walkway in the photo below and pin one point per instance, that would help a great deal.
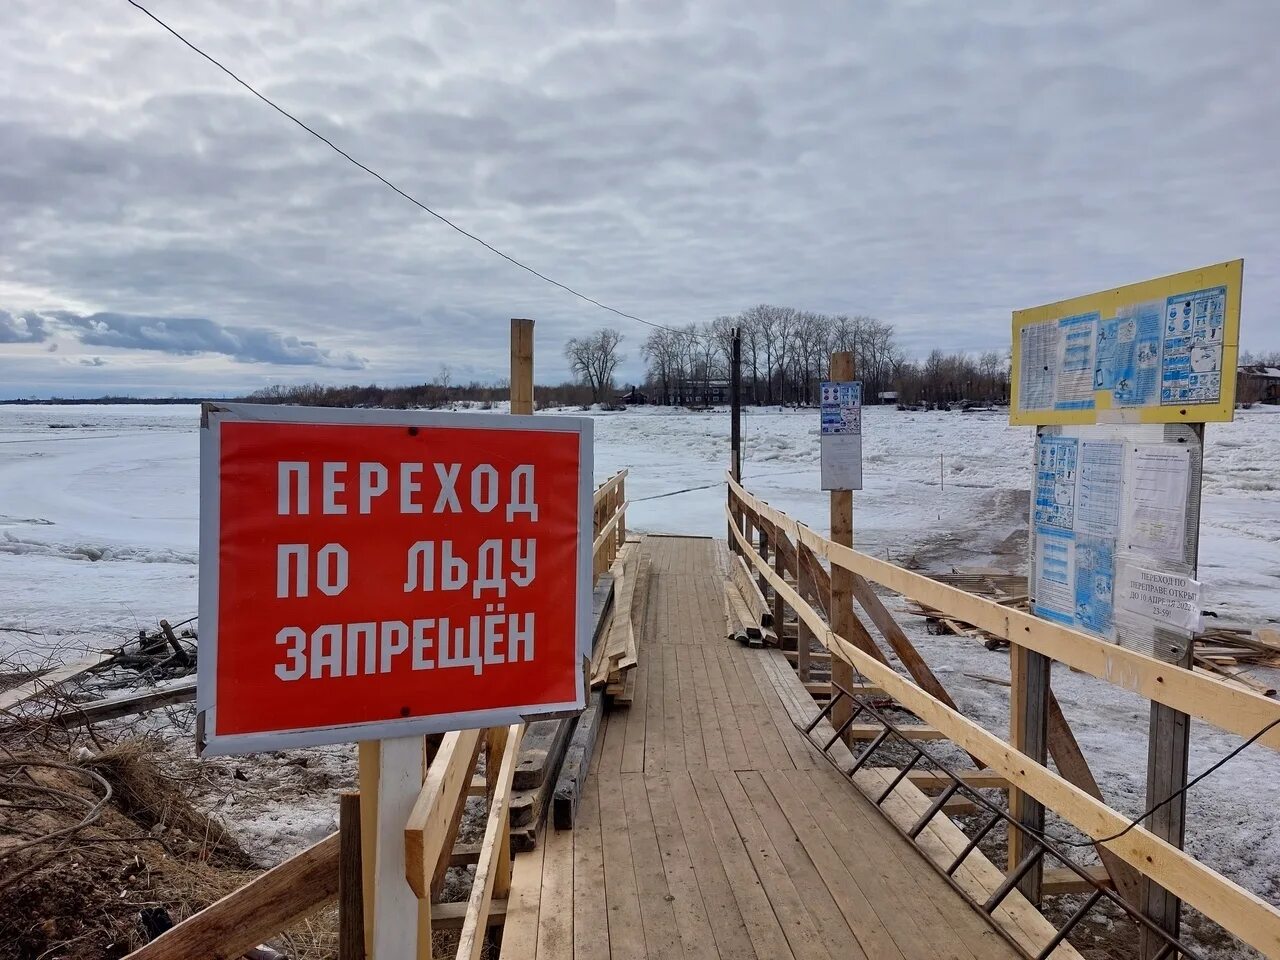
(711, 828)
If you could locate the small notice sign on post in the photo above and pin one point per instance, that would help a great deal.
(1166, 599)
(840, 435)
(368, 574)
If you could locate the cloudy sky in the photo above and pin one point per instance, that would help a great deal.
(933, 164)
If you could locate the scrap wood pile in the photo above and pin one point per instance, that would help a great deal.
(1002, 587)
(614, 661)
(1228, 650)
(750, 621)
(152, 670)
(1232, 650)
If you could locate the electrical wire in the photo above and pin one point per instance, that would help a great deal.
(387, 183)
(1045, 835)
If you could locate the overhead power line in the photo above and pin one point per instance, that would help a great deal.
(387, 183)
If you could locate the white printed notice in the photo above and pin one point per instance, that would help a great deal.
(1168, 599)
(1039, 365)
(840, 435)
(1157, 479)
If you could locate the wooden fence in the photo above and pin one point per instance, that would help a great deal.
(796, 549)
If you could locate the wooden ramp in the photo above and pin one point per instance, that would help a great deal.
(710, 827)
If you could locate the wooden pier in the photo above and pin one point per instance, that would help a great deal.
(711, 827)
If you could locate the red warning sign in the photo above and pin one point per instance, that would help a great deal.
(368, 574)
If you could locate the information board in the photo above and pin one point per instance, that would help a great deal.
(1162, 351)
(1113, 530)
(367, 574)
(840, 435)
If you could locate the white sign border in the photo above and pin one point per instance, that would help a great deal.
(208, 741)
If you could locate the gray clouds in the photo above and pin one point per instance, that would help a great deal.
(195, 335)
(29, 328)
(934, 165)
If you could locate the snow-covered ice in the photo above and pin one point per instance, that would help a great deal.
(98, 536)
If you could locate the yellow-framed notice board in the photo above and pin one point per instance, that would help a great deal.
(1161, 351)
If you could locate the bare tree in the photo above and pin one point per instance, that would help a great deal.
(594, 358)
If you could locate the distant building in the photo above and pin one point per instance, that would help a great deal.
(888, 396)
(1258, 383)
(635, 397)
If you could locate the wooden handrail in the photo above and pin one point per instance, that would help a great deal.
(607, 486)
(1243, 913)
(1227, 707)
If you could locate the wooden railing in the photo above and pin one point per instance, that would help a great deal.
(1231, 708)
(608, 522)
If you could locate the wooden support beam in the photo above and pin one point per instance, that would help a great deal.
(350, 881)
(1072, 765)
(934, 781)
(1061, 880)
(1028, 733)
(493, 869)
(912, 731)
(426, 832)
(241, 920)
(577, 764)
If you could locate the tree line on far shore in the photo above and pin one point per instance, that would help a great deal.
(785, 354)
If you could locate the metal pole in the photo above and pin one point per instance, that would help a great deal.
(735, 400)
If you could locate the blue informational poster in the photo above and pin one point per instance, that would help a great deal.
(1094, 582)
(1076, 517)
(1056, 483)
(1191, 364)
(1055, 577)
(1127, 355)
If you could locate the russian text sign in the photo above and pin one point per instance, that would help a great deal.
(1162, 351)
(840, 435)
(369, 574)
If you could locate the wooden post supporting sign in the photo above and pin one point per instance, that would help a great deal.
(842, 615)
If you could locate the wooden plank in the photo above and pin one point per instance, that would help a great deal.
(350, 881)
(656, 913)
(933, 781)
(1211, 699)
(427, 827)
(626, 928)
(541, 751)
(520, 931)
(754, 905)
(369, 760)
(1071, 764)
(491, 862)
(1240, 911)
(757, 607)
(912, 731)
(693, 925)
(255, 912)
(590, 909)
(1029, 734)
(807, 865)
(450, 916)
(556, 927)
(52, 679)
(577, 764)
(83, 714)
(807, 938)
(1062, 880)
(398, 910)
(898, 640)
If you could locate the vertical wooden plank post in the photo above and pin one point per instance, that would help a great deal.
(1028, 732)
(842, 615)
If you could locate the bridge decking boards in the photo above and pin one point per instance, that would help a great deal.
(709, 826)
